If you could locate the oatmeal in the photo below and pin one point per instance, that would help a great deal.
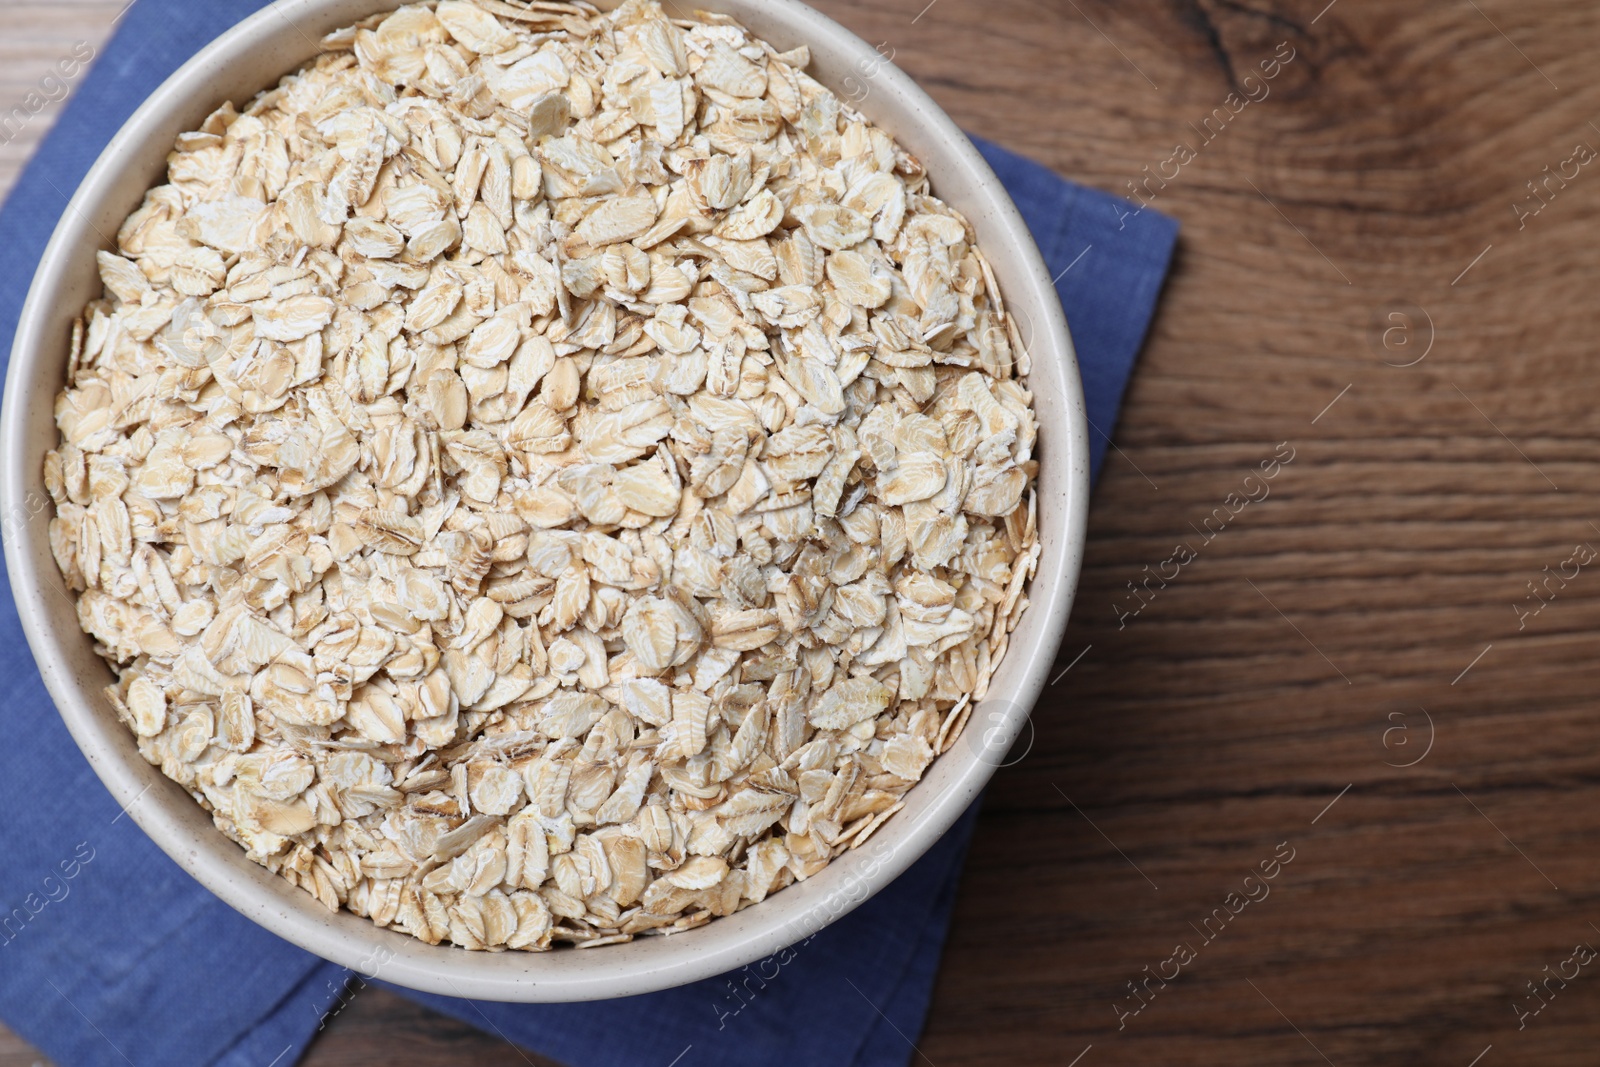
(541, 475)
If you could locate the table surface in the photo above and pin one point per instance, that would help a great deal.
(1380, 667)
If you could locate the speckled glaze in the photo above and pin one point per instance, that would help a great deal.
(252, 56)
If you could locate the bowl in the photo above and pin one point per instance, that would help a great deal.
(253, 56)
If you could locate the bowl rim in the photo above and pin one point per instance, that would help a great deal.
(653, 963)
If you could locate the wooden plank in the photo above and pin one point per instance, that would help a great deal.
(34, 38)
(1375, 176)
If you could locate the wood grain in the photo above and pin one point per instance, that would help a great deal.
(1297, 660)
(34, 37)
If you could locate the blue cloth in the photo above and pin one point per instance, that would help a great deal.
(111, 955)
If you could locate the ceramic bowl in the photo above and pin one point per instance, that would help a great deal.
(254, 55)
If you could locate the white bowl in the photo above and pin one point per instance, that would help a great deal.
(252, 56)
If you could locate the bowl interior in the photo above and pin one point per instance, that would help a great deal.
(252, 56)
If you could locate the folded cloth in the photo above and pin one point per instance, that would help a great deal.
(110, 954)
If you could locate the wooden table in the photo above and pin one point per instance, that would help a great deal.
(1379, 667)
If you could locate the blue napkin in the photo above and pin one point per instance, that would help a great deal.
(111, 955)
